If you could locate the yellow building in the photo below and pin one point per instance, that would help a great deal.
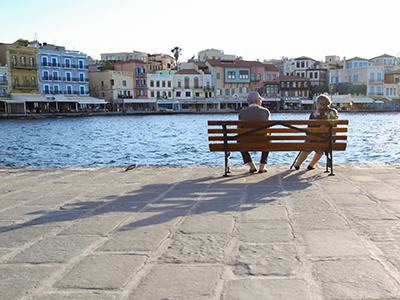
(22, 59)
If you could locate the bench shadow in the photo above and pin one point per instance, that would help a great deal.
(154, 204)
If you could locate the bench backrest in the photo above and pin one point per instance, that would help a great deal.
(277, 135)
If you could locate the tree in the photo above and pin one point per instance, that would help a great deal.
(176, 51)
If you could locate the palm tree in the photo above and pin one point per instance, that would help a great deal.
(176, 51)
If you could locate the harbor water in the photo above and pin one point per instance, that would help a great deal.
(169, 140)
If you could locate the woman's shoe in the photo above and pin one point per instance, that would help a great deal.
(253, 171)
(263, 171)
(297, 167)
(310, 168)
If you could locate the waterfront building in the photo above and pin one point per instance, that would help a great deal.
(62, 72)
(115, 87)
(334, 62)
(270, 90)
(167, 61)
(140, 70)
(231, 78)
(295, 92)
(4, 88)
(125, 56)
(366, 78)
(214, 54)
(22, 59)
(257, 76)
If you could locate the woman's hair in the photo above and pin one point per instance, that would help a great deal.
(324, 100)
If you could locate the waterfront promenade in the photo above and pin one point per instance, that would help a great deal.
(188, 233)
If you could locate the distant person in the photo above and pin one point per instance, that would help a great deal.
(255, 112)
(324, 112)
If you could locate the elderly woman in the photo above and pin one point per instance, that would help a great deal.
(324, 112)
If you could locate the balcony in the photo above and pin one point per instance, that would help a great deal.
(26, 86)
(73, 66)
(51, 65)
(51, 78)
(3, 83)
(24, 66)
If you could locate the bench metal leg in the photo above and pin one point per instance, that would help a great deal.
(329, 163)
(227, 168)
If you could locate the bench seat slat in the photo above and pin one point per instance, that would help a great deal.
(291, 122)
(277, 146)
(277, 138)
(275, 130)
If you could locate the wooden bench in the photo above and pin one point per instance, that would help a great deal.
(287, 135)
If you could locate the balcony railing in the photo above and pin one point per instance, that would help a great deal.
(24, 66)
(51, 78)
(31, 86)
(75, 79)
(73, 66)
(3, 83)
(50, 64)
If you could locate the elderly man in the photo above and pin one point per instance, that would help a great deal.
(255, 112)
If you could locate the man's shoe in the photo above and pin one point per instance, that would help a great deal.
(310, 168)
(263, 171)
(253, 171)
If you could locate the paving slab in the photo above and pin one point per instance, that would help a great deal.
(187, 232)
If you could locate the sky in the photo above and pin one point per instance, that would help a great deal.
(252, 29)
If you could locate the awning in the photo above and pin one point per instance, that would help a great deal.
(362, 100)
(79, 99)
(341, 100)
(307, 102)
(140, 100)
(271, 100)
(18, 98)
(90, 100)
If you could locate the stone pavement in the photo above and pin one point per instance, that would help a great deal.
(188, 233)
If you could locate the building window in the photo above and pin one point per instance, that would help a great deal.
(258, 77)
(68, 75)
(123, 82)
(82, 88)
(231, 75)
(69, 89)
(179, 84)
(80, 62)
(218, 76)
(56, 89)
(178, 94)
(227, 92)
(32, 61)
(46, 89)
(169, 83)
(243, 74)
(81, 77)
(196, 82)
(68, 63)
(45, 75)
(163, 84)
(54, 62)
(112, 82)
(14, 60)
(157, 83)
(55, 75)
(188, 94)
(186, 82)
